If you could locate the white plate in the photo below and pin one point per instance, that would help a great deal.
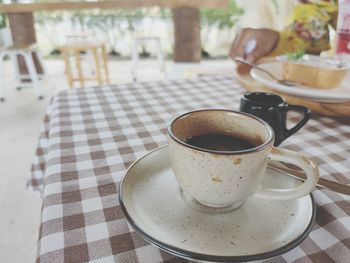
(155, 207)
(336, 95)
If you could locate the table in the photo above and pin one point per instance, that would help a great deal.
(90, 136)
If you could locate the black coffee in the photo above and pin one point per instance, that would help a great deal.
(219, 142)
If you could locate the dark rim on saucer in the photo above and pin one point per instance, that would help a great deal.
(211, 258)
(269, 141)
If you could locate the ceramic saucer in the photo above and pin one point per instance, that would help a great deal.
(336, 95)
(156, 208)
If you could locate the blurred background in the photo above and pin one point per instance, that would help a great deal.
(120, 27)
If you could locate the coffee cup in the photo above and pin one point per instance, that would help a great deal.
(219, 158)
(273, 109)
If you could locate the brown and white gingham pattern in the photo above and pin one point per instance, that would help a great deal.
(90, 136)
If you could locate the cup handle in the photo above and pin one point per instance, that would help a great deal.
(306, 164)
(298, 108)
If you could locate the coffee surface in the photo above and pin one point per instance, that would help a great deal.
(219, 142)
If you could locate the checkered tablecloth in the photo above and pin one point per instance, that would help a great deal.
(90, 136)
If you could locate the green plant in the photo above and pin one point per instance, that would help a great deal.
(120, 25)
(218, 19)
(114, 53)
(222, 19)
(55, 52)
(2, 19)
(275, 4)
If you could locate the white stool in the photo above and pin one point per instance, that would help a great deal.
(33, 76)
(135, 54)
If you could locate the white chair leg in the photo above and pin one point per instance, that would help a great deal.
(33, 74)
(40, 60)
(135, 60)
(13, 58)
(160, 56)
(2, 86)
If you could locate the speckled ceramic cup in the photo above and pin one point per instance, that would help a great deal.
(222, 179)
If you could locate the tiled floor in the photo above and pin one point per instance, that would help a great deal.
(20, 119)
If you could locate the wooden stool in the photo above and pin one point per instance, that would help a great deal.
(74, 50)
(79, 37)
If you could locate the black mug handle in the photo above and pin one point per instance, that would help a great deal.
(298, 108)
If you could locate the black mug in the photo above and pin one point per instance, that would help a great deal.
(273, 109)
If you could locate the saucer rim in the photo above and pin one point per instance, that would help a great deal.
(187, 254)
(321, 96)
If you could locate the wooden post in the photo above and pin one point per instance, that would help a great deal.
(23, 34)
(187, 35)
